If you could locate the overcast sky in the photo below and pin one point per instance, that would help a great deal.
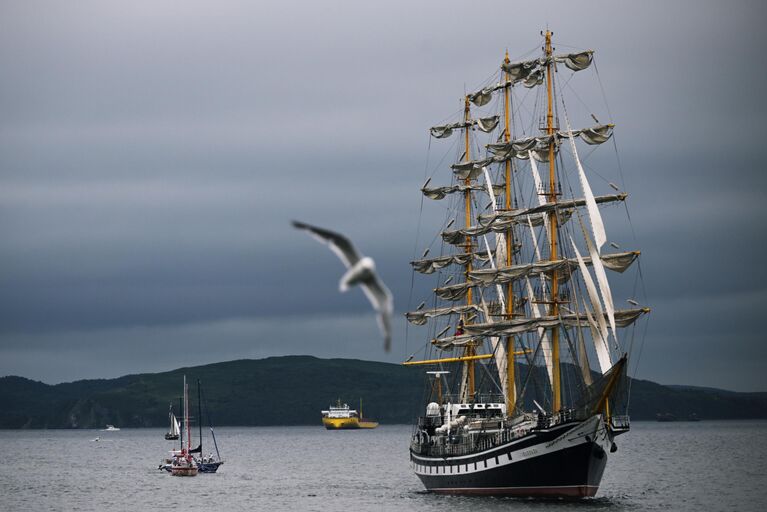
(153, 153)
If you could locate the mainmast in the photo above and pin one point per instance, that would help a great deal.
(556, 391)
(511, 391)
(469, 350)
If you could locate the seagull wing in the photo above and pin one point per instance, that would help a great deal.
(338, 243)
(383, 302)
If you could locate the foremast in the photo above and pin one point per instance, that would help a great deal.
(511, 387)
(469, 351)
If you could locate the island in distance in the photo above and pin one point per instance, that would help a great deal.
(293, 389)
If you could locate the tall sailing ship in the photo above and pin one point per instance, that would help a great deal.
(522, 303)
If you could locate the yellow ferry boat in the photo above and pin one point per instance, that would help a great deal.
(341, 417)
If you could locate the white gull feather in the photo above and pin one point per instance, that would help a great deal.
(360, 271)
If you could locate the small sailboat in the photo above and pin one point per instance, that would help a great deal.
(206, 463)
(174, 429)
(183, 464)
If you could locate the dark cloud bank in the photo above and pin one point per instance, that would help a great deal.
(151, 157)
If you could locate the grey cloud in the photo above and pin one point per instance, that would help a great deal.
(151, 157)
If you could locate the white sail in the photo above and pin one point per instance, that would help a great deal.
(500, 239)
(541, 197)
(545, 343)
(603, 354)
(542, 335)
(175, 428)
(600, 344)
(595, 218)
(583, 358)
(499, 349)
(604, 286)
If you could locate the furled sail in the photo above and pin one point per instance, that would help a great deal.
(429, 265)
(420, 317)
(471, 169)
(501, 221)
(623, 318)
(485, 124)
(576, 61)
(453, 292)
(519, 148)
(438, 193)
(482, 97)
(524, 148)
(617, 262)
(531, 73)
(596, 134)
(546, 208)
(458, 236)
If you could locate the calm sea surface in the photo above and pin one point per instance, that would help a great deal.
(659, 466)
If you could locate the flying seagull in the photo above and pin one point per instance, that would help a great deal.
(361, 270)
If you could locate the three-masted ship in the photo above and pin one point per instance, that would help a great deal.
(522, 303)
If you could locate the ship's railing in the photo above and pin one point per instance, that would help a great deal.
(461, 444)
(620, 423)
(466, 443)
(479, 398)
(471, 441)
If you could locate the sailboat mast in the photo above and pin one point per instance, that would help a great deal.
(181, 411)
(511, 391)
(469, 351)
(556, 399)
(199, 414)
(186, 416)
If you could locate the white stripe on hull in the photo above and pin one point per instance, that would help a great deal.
(593, 428)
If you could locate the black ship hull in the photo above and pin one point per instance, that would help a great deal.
(563, 461)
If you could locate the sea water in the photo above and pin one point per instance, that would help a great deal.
(658, 466)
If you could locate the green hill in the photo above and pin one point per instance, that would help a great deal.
(292, 390)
